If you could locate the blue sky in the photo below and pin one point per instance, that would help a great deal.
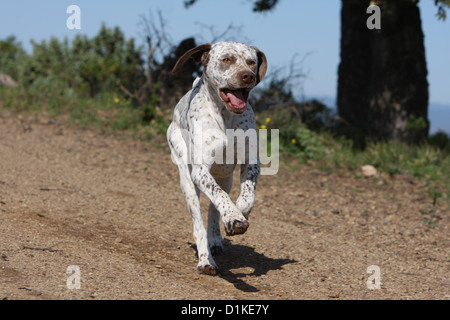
(295, 27)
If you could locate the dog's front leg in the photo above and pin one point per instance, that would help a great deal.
(249, 177)
(233, 219)
(214, 237)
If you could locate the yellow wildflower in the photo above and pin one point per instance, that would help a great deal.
(293, 141)
(116, 100)
(268, 120)
(263, 126)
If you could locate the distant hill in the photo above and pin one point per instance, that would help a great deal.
(438, 113)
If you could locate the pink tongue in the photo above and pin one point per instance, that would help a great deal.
(237, 99)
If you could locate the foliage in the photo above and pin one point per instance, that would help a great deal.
(88, 73)
(87, 66)
(264, 5)
(11, 52)
(442, 6)
(258, 5)
(321, 147)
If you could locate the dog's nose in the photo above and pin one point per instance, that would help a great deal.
(247, 77)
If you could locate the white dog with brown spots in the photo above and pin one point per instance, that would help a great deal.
(198, 141)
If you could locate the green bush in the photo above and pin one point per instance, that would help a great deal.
(11, 54)
(86, 67)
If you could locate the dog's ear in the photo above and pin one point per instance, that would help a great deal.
(262, 65)
(197, 53)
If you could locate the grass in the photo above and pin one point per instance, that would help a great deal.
(429, 161)
(426, 162)
(107, 112)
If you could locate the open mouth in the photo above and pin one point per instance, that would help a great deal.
(235, 100)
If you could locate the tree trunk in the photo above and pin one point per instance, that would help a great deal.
(382, 87)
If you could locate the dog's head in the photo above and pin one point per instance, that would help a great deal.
(233, 69)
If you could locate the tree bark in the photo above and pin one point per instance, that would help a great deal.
(382, 86)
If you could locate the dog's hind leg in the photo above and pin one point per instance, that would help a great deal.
(206, 263)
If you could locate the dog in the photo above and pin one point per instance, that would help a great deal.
(197, 137)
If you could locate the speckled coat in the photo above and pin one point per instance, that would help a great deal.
(200, 142)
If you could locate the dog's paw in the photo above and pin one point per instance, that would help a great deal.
(208, 269)
(215, 241)
(216, 249)
(236, 227)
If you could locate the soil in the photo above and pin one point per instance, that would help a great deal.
(111, 205)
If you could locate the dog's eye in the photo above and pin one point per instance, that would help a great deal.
(226, 60)
(251, 62)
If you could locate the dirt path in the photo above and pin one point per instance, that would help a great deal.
(112, 206)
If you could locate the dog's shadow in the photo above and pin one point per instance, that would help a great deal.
(237, 256)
